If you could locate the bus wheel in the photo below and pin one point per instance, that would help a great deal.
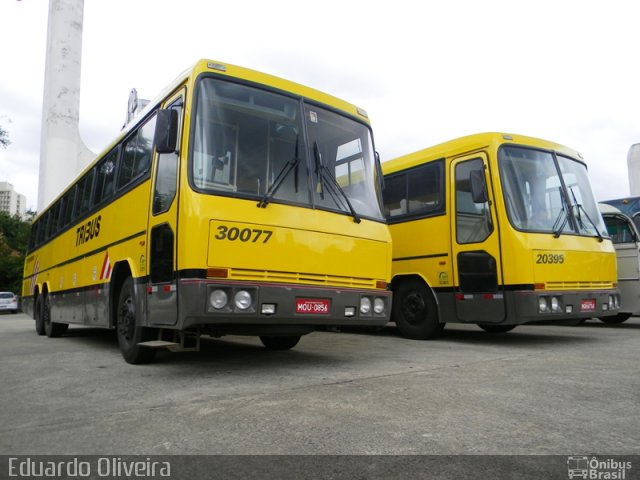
(38, 315)
(415, 311)
(280, 343)
(487, 327)
(52, 329)
(129, 333)
(619, 318)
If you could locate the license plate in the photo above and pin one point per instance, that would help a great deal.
(316, 306)
(588, 305)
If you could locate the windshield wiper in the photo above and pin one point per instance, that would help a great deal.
(579, 207)
(284, 172)
(332, 185)
(557, 229)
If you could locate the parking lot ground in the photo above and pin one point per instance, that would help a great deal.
(537, 390)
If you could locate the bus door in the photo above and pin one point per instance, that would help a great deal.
(162, 283)
(479, 297)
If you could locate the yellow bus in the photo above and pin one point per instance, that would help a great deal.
(235, 203)
(496, 230)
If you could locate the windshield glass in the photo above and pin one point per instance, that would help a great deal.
(547, 193)
(343, 150)
(251, 143)
(243, 138)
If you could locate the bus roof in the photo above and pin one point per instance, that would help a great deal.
(225, 69)
(471, 143)
(627, 205)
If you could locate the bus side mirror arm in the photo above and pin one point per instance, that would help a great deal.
(166, 134)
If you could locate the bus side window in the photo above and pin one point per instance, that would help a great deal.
(473, 223)
(83, 197)
(420, 191)
(136, 156)
(395, 196)
(105, 178)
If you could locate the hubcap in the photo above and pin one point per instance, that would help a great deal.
(126, 319)
(414, 308)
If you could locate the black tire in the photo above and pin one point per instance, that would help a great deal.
(415, 311)
(38, 316)
(280, 343)
(52, 329)
(130, 334)
(487, 327)
(619, 318)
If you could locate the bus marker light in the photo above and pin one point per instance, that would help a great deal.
(268, 309)
(568, 309)
(217, 273)
(217, 66)
(349, 311)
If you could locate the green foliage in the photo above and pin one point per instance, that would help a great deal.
(14, 235)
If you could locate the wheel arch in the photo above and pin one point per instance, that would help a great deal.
(121, 271)
(398, 280)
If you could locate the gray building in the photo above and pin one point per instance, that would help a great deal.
(11, 201)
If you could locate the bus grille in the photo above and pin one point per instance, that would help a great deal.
(297, 277)
(579, 285)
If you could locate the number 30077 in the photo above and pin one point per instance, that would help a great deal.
(252, 235)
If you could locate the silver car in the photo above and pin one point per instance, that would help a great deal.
(8, 302)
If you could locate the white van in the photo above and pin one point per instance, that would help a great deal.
(626, 241)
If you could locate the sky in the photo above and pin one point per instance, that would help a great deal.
(426, 72)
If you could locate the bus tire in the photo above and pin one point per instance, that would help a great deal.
(415, 311)
(619, 318)
(38, 316)
(130, 334)
(280, 343)
(487, 327)
(52, 329)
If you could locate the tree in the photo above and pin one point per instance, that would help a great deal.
(4, 138)
(14, 235)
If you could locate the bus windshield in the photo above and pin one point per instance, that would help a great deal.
(545, 192)
(253, 143)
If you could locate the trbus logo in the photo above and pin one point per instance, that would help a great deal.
(597, 469)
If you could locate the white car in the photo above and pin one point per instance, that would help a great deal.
(8, 302)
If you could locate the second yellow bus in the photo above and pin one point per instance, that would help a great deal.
(496, 230)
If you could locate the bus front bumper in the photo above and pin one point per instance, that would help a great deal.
(540, 306)
(203, 302)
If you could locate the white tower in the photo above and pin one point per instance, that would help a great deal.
(63, 154)
(633, 169)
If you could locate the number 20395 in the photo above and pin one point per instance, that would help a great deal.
(253, 235)
(549, 258)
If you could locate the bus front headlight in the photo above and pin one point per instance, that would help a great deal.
(378, 305)
(543, 306)
(242, 300)
(365, 305)
(218, 299)
(555, 305)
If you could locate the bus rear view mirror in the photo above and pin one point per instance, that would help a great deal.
(166, 135)
(478, 190)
